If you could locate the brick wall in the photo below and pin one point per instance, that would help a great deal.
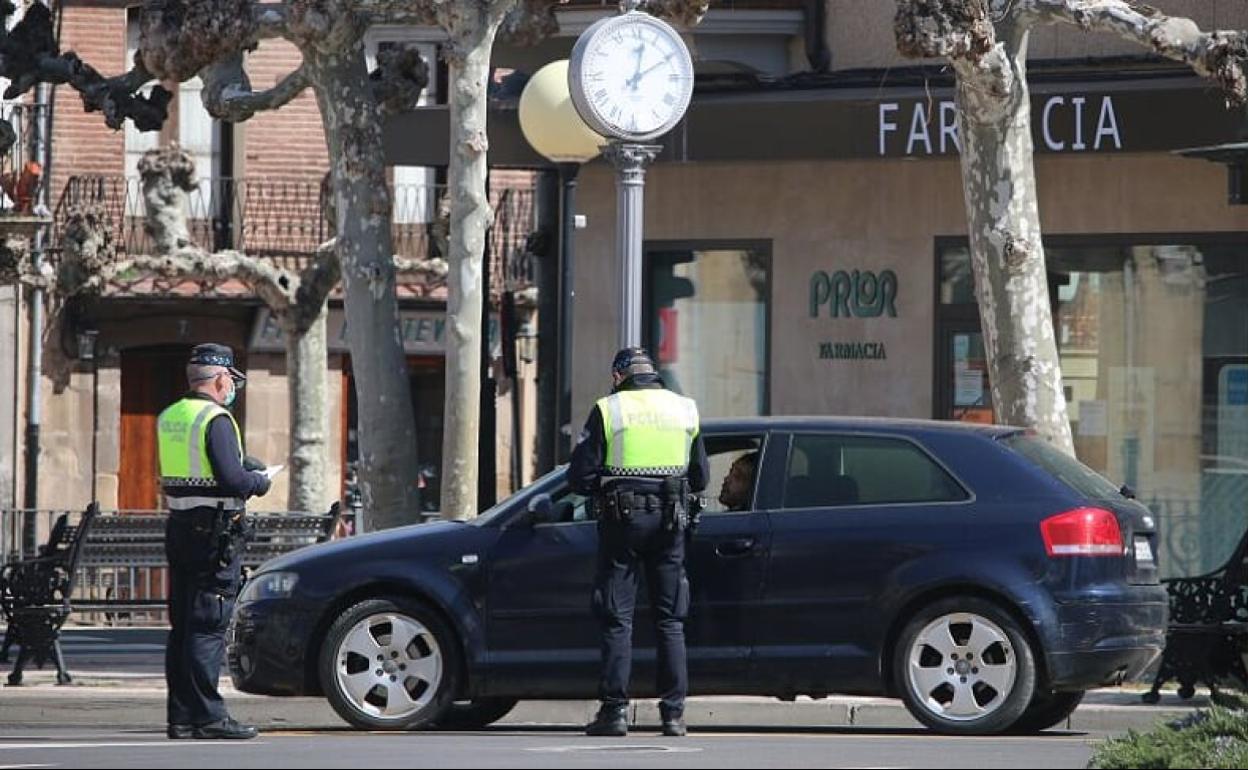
(82, 144)
(287, 142)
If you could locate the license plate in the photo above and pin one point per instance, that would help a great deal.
(1143, 551)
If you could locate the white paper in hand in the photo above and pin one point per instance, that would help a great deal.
(272, 471)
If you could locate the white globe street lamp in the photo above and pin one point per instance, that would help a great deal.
(552, 126)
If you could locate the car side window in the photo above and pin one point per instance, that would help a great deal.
(735, 462)
(844, 470)
(571, 507)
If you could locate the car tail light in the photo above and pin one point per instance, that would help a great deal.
(1082, 532)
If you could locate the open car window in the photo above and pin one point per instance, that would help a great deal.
(723, 452)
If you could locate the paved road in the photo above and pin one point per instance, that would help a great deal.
(543, 748)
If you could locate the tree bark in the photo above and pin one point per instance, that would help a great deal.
(306, 383)
(1007, 252)
(386, 425)
(472, 36)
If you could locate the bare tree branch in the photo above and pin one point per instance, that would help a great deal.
(530, 22)
(684, 13)
(435, 269)
(179, 38)
(270, 20)
(399, 79)
(953, 29)
(1217, 55)
(228, 95)
(29, 56)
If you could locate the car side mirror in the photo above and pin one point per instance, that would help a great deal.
(542, 510)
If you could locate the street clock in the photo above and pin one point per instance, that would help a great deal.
(631, 77)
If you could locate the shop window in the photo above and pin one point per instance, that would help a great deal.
(708, 323)
(1153, 339)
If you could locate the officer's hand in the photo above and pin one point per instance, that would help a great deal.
(265, 484)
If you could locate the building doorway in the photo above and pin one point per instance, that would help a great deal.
(151, 379)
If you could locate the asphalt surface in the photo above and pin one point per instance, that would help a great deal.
(543, 748)
(113, 717)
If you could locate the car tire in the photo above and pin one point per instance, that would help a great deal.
(964, 667)
(390, 663)
(476, 714)
(1047, 709)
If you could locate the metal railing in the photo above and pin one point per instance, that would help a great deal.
(287, 219)
(19, 186)
(122, 568)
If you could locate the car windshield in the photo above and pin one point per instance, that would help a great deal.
(543, 484)
(1065, 468)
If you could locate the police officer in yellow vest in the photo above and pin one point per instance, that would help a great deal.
(640, 457)
(206, 487)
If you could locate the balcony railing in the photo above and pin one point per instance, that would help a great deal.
(286, 220)
(20, 185)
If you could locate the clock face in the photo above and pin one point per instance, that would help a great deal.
(631, 77)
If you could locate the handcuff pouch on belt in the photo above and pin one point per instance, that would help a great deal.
(230, 533)
(674, 495)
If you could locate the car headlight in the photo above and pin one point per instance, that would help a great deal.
(269, 585)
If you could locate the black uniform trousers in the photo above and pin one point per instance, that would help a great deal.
(625, 549)
(204, 578)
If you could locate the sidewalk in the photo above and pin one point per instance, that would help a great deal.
(127, 700)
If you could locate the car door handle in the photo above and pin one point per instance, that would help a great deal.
(730, 549)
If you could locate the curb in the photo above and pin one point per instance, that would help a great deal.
(144, 707)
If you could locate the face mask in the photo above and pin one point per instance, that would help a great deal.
(230, 397)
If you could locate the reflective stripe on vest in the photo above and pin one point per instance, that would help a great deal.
(648, 432)
(182, 438)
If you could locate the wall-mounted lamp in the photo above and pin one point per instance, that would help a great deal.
(526, 341)
(87, 339)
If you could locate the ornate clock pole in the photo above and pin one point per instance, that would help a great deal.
(631, 78)
(630, 161)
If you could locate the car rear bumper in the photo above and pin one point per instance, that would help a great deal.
(1100, 641)
(267, 648)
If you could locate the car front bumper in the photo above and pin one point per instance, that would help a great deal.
(267, 648)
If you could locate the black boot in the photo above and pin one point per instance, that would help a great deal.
(179, 732)
(611, 721)
(673, 724)
(226, 729)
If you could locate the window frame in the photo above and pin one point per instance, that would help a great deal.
(764, 438)
(970, 495)
(762, 245)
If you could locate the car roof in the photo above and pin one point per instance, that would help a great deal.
(855, 424)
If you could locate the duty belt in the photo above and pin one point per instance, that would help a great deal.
(195, 501)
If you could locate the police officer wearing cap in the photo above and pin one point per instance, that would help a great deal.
(206, 487)
(640, 457)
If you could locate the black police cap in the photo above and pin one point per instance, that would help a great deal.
(212, 354)
(630, 361)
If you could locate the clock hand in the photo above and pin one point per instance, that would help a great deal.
(637, 78)
(640, 50)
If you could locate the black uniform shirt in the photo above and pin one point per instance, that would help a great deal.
(223, 454)
(585, 469)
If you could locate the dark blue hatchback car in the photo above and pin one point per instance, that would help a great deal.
(975, 572)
